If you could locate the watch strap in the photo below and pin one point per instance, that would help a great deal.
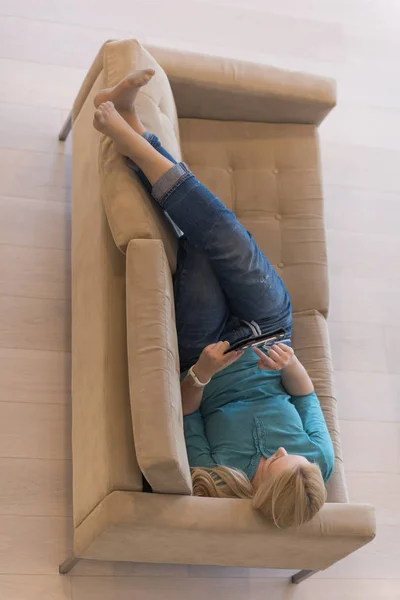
(196, 380)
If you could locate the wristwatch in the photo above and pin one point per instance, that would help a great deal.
(195, 380)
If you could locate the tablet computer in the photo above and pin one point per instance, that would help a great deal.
(267, 340)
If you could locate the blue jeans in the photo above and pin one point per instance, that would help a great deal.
(224, 286)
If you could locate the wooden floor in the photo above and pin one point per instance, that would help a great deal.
(46, 47)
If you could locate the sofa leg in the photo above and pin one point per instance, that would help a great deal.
(66, 128)
(302, 575)
(67, 565)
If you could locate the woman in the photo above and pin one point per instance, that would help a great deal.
(253, 424)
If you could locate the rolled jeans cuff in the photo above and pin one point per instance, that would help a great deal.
(170, 181)
(149, 136)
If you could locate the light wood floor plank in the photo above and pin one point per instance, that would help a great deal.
(45, 85)
(35, 376)
(149, 588)
(358, 347)
(328, 589)
(356, 299)
(38, 587)
(303, 37)
(48, 42)
(35, 223)
(35, 272)
(371, 446)
(360, 167)
(28, 127)
(34, 323)
(37, 487)
(370, 127)
(377, 560)
(35, 431)
(356, 77)
(364, 255)
(269, 31)
(361, 211)
(382, 490)
(392, 347)
(74, 14)
(232, 589)
(34, 545)
(39, 175)
(373, 44)
(368, 396)
(349, 13)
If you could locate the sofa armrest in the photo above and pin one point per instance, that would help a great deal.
(161, 528)
(209, 87)
(153, 360)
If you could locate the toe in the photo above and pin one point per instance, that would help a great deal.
(98, 114)
(139, 78)
(103, 110)
(148, 74)
(98, 99)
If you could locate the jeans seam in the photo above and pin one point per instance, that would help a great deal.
(180, 280)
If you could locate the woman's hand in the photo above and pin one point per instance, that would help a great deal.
(279, 357)
(212, 360)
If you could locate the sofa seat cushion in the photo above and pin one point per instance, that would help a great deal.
(130, 211)
(154, 373)
(268, 174)
(153, 359)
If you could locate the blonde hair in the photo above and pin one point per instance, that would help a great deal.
(292, 497)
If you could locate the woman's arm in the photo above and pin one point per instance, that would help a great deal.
(310, 412)
(299, 386)
(197, 446)
(295, 378)
(212, 360)
(191, 396)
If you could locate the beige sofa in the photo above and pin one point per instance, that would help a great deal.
(249, 132)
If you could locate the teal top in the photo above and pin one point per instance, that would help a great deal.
(246, 413)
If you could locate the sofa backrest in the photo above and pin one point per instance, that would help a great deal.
(269, 175)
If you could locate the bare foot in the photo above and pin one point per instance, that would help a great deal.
(108, 121)
(123, 95)
(128, 142)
